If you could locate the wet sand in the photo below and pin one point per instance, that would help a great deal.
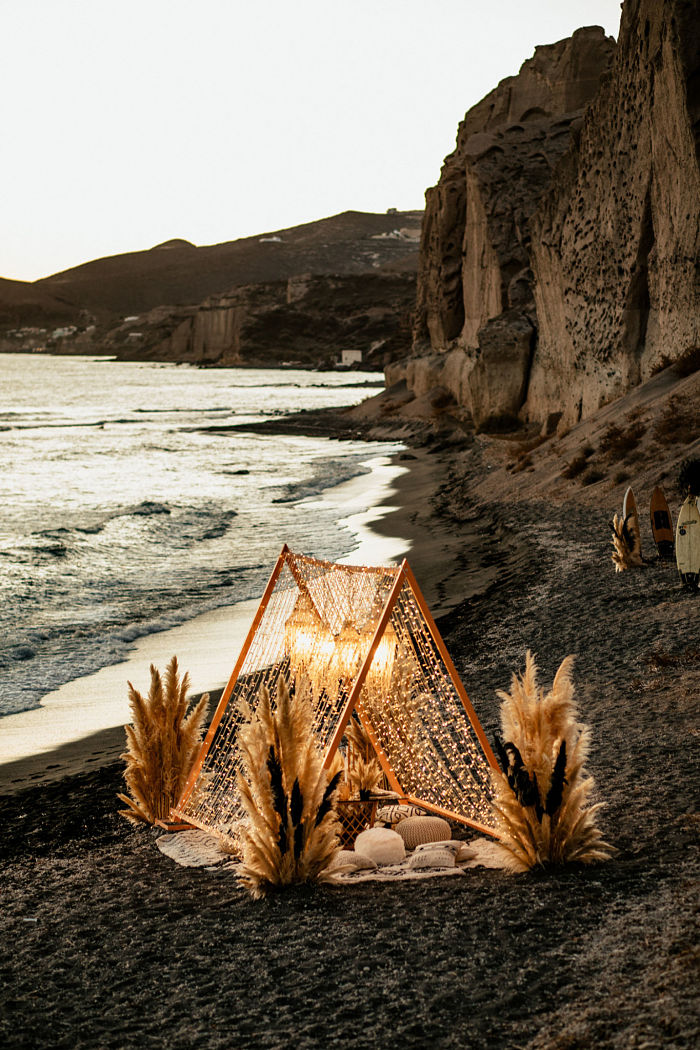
(113, 945)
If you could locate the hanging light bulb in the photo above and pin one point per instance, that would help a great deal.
(382, 665)
(300, 634)
(346, 655)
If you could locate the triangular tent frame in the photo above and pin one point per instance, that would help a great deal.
(400, 680)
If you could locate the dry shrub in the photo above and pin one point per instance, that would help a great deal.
(290, 836)
(618, 442)
(592, 476)
(575, 467)
(162, 745)
(627, 544)
(542, 796)
(689, 477)
(679, 425)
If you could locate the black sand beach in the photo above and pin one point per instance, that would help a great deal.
(109, 944)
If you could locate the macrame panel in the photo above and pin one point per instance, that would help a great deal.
(419, 720)
(316, 629)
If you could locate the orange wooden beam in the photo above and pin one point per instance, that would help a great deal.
(452, 671)
(449, 815)
(354, 696)
(226, 695)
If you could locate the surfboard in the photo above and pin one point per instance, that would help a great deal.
(630, 515)
(661, 523)
(688, 544)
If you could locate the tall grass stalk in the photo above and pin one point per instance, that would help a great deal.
(542, 795)
(291, 832)
(162, 744)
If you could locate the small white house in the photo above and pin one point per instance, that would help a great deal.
(350, 357)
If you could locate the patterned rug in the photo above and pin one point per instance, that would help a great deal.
(199, 849)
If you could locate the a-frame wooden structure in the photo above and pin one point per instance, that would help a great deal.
(364, 640)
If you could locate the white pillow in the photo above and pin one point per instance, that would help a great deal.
(433, 858)
(383, 845)
(460, 850)
(351, 860)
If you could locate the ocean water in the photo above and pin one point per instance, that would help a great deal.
(122, 514)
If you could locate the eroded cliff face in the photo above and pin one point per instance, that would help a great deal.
(475, 301)
(559, 252)
(306, 321)
(616, 240)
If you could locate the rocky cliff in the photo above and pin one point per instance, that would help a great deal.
(616, 240)
(300, 295)
(306, 321)
(559, 251)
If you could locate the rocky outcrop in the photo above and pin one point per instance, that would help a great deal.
(560, 249)
(306, 321)
(616, 241)
(475, 247)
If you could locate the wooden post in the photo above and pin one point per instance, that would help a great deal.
(360, 681)
(449, 815)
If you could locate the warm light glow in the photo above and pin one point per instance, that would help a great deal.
(409, 699)
(346, 657)
(301, 633)
(382, 666)
(308, 643)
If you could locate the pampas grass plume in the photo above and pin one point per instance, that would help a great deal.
(290, 836)
(542, 794)
(162, 744)
(364, 771)
(627, 544)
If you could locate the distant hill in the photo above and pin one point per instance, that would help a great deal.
(23, 303)
(177, 273)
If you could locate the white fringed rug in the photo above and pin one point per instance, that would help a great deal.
(199, 849)
(193, 849)
(485, 855)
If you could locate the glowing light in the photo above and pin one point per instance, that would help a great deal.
(319, 621)
(382, 666)
(346, 656)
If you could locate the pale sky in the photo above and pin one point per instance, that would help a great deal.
(129, 122)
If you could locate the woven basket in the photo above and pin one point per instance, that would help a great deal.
(355, 816)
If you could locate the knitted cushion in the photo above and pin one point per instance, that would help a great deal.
(459, 850)
(351, 860)
(416, 830)
(382, 845)
(432, 858)
(394, 813)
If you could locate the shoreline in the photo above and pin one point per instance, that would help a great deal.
(452, 562)
(384, 531)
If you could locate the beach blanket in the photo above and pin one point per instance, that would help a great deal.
(199, 849)
(193, 849)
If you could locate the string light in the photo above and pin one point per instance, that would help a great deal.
(317, 629)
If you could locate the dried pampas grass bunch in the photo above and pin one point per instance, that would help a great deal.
(542, 794)
(364, 771)
(162, 745)
(290, 836)
(627, 544)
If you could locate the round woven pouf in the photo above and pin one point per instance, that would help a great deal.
(416, 830)
(381, 845)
